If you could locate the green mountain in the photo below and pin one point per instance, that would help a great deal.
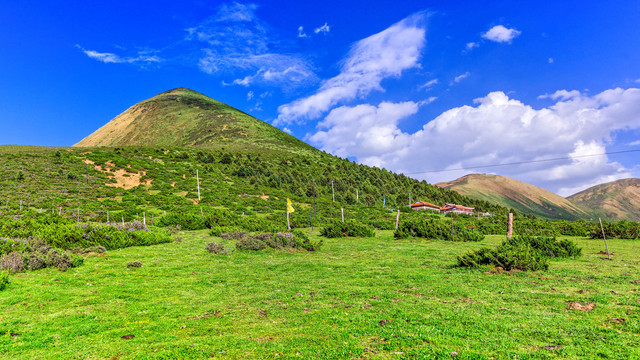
(185, 118)
(508, 192)
(616, 200)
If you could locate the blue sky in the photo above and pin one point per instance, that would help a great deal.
(409, 86)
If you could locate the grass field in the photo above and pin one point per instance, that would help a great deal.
(356, 298)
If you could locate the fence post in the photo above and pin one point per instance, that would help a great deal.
(342, 214)
(605, 239)
(397, 219)
(510, 226)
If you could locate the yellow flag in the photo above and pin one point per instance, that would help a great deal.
(289, 207)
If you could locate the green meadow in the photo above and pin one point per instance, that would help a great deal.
(355, 298)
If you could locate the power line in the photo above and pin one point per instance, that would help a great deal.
(524, 162)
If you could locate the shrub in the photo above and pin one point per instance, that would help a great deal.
(236, 235)
(251, 244)
(185, 221)
(12, 262)
(436, 229)
(4, 279)
(526, 253)
(216, 248)
(303, 241)
(134, 264)
(348, 228)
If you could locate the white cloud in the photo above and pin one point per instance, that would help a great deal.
(111, 58)
(550, 60)
(496, 130)
(501, 34)
(471, 45)
(288, 131)
(370, 60)
(250, 95)
(301, 33)
(428, 84)
(364, 131)
(236, 12)
(236, 42)
(638, 80)
(322, 29)
(461, 77)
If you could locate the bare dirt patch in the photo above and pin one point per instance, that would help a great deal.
(88, 162)
(581, 306)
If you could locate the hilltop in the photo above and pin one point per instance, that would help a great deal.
(614, 200)
(508, 192)
(185, 118)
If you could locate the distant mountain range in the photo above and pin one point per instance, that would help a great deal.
(616, 200)
(523, 197)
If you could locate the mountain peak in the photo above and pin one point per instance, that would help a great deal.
(183, 117)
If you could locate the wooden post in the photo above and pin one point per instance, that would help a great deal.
(605, 239)
(60, 211)
(510, 226)
(333, 193)
(144, 218)
(397, 219)
(123, 221)
(342, 214)
(198, 182)
(314, 199)
(288, 224)
(357, 196)
(202, 212)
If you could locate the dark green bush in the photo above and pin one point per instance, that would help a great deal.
(185, 221)
(436, 229)
(348, 228)
(4, 279)
(622, 230)
(526, 253)
(134, 264)
(250, 243)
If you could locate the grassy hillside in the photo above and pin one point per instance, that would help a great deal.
(183, 117)
(615, 200)
(133, 180)
(526, 198)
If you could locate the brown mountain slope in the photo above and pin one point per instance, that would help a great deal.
(523, 197)
(615, 200)
(183, 117)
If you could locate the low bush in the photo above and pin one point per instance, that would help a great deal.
(250, 243)
(348, 228)
(12, 262)
(436, 229)
(526, 253)
(235, 235)
(4, 279)
(134, 264)
(185, 221)
(621, 230)
(216, 248)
